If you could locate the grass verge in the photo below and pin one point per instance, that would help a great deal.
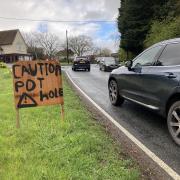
(44, 148)
(66, 64)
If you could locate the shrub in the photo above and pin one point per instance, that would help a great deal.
(164, 30)
(123, 56)
(2, 65)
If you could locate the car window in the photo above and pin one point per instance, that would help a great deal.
(170, 56)
(110, 61)
(147, 58)
(80, 59)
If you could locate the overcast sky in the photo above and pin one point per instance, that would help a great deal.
(103, 34)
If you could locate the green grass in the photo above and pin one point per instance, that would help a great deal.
(2, 65)
(66, 64)
(44, 148)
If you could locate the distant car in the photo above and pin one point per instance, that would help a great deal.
(152, 80)
(108, 64)
(81, 63)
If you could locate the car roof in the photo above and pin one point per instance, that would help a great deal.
(107, 58)
(170, 41)
(81, 57)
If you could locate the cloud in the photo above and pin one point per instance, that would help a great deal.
(63, 10)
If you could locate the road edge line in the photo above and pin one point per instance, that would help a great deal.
(147, 151)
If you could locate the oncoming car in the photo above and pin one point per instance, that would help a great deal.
(81, 63)
(152, 80)
(107, 64)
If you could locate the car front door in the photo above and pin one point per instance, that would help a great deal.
(135, 80)
(163, 78)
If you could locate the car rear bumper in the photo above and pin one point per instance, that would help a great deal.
(81, 66)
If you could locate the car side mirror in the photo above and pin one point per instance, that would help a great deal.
(128, 64)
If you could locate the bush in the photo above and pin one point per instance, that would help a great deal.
(124, 57)
(164, 30)
(2, 65)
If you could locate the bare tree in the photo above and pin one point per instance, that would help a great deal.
(80, 44)
(103, 52)
(96, 51)
(49, 42)
(31, 42)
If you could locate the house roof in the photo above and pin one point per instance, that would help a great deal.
(7, 37)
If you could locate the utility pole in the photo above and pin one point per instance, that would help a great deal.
(67, 47)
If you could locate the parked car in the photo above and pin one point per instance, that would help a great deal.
(81, 63)
(152, 79)
(108, 64)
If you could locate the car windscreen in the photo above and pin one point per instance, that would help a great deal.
(81, 59)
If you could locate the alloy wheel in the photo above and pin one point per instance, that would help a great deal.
(113, 92)
(174, 124)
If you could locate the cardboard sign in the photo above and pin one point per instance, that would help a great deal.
(37, 83)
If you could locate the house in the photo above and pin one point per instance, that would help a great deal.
(13, 47)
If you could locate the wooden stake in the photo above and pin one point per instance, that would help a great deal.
(62, 113)
(17, 118)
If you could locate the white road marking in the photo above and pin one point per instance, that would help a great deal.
(147, 151)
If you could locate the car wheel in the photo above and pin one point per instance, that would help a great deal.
(103, 68)
(89, 69)
(173, 121)
(74, 69)
(114, 96)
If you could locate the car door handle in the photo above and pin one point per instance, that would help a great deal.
(170, 75)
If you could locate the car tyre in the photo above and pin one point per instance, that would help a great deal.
(173, 122)
(103, 68)
(114, 96)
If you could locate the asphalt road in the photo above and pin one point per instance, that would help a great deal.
(148, 127)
